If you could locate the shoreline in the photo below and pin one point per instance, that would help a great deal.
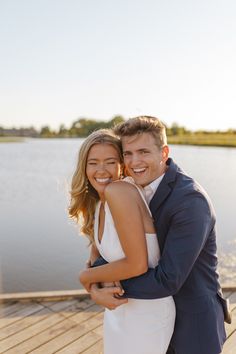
(11, 139)
(217, 140)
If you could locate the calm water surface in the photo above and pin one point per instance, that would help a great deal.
(40, 248)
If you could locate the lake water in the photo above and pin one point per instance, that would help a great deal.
(40, 248)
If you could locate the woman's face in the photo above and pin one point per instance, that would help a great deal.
(103, 166)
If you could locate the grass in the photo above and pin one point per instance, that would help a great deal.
(11, 139)
(219, 139)
(211, 139)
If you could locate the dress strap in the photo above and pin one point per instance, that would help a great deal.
(140, 190)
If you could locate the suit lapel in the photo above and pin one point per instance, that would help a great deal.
(161, 195)
(165, 186)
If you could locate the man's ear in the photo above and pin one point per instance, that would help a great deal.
(165, 153)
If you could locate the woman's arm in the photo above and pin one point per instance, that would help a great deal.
(123, 200)
(94, 254)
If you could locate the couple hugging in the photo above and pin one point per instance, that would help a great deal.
(153, 244)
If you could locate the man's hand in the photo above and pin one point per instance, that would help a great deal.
(106, 296)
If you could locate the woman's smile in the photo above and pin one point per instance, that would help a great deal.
(103, 167)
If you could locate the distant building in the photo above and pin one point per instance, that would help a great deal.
(22, 132)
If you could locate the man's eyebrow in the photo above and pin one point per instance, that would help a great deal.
(141, 149)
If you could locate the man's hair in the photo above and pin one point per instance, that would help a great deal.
(143, 124)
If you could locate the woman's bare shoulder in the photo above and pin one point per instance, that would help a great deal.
(121, 186)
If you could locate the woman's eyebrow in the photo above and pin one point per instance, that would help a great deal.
(108, 158)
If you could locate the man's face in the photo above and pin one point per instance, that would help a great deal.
(144, 161)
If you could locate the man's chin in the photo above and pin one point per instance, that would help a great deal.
(139, 181)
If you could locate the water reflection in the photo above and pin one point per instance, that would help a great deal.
(40, 248)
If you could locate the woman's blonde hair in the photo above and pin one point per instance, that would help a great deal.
(83, 196)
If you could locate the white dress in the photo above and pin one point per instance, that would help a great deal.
(140, 326)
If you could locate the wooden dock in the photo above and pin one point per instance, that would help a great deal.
(65, 322)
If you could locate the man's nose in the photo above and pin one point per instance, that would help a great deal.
(134, 159)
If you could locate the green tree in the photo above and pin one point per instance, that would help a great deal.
(116, 120)
(46, 132)
(82, 127)
(63, 132)
(176, 129)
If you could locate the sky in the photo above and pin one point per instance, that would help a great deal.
(66, 59)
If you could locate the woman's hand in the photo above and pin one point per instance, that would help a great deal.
(107, 297)
(84, 280)
(114, 284)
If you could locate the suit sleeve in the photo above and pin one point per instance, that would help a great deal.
(99, 261)
(189, 228)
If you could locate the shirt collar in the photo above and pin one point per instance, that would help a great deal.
(152, 187)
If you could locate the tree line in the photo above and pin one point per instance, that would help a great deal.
(82, 127)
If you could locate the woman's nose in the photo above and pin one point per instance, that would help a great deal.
(101, 167)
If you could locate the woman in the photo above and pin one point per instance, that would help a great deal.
(119, 225)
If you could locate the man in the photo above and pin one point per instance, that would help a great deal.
(185, 223)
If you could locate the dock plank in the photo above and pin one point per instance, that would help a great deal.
(232, 300)
(28, 333)
(82, 344)
(230, 345)
(230, 328)
(35, 341)
(45, 330)
(66, 325)
(73, 334)
(72, 307)
(96, 348)
(87, 313)
(6, 310)
(25, 322)
(18, 315)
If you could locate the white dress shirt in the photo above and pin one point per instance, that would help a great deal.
(151, 188)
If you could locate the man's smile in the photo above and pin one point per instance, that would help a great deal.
(139, 170)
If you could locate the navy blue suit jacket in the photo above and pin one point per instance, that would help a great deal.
(185, 224)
